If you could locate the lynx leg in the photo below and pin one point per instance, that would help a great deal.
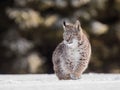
(60, 75)
(63, 76)
(79, 70)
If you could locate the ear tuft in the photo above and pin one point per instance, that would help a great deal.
(64, 23)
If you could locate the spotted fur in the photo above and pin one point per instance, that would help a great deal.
(72, 55)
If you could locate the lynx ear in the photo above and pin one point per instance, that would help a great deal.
(77, 25)
(64, 25)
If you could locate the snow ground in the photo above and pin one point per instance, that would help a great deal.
(50, 82)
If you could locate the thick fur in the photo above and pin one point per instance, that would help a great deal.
(72, 55)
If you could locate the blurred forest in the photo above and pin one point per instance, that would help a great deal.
(31, 29)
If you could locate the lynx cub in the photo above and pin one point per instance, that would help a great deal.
(72, 55)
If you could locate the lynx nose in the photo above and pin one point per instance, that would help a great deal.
(69, 41)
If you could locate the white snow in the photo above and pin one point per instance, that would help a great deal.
(51, 82)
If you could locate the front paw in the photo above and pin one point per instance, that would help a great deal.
(74, 77)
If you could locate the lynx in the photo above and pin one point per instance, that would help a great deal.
(72, 55)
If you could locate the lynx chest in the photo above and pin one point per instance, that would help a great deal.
(73, 54)
(73, 51)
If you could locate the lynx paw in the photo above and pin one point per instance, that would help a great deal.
(74, 77)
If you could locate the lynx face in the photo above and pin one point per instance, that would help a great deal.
(71, 32)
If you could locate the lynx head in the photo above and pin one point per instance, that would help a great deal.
(71, 31)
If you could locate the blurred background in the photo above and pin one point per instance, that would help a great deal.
(30, 30)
